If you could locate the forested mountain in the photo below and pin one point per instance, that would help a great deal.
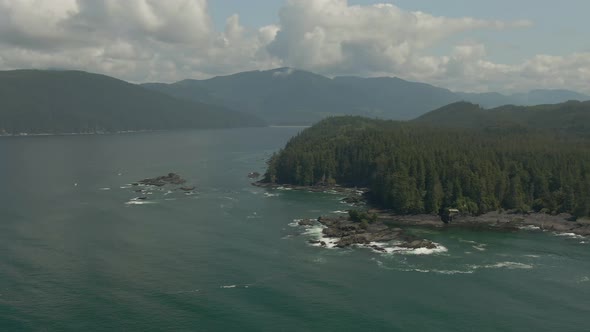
(415, 168)
(534, 97)
(289, 96)
(571, 116)
(34, 101)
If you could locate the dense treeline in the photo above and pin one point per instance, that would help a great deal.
(417, 168)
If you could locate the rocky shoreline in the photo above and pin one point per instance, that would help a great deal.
(317, 189)
(505, 221)
(345, 233)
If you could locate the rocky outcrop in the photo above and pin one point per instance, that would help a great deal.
(160, 181)
(253, 175)
(349, 233)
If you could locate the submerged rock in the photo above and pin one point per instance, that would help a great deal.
(187, 188)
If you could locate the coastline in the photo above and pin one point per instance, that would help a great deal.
(494, 221)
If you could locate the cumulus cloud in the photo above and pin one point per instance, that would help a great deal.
(152, 40)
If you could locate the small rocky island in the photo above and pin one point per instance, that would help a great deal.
(346, 233)
(165, 184)
(160, 181)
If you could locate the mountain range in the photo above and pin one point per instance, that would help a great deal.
(35, 101)
(290, 96)
(570, 117)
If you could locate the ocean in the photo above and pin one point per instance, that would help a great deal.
(80, 250)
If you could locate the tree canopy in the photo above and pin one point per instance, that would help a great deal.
(415, 168)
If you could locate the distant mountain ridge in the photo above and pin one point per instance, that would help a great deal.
(571, 116)
(291, 96)
(533, 97)
(37, 101)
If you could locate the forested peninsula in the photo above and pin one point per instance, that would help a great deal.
(426, 167)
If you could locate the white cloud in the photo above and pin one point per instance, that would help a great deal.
(152, 40)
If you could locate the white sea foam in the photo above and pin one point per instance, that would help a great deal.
(421, 251)
(316, 232)
(530, 228)
(295, 222)
(168, 192)
(229, 286)
(132, 202)
(570, 235)
(104, 189)
(271, 195)
(394, 249)
(340, 212)
(480, 247)
(532, 256)
(505, 265)
(584, 279)
(284, 188)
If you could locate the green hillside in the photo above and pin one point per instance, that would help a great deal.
(570, 116)
(413, 167)
(34, 101)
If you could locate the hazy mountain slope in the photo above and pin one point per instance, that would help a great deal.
(534, 97)
(288, 96)
(36, 101)
(293, 96)
(572, 116)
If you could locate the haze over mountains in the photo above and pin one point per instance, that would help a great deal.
(571, 117)
(36, 101)
(290, 96)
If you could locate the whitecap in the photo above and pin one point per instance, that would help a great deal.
(439, 249)
(480, 247)
(271, 195)
(229, 286)
(584, 279)
(104, 189)
(532, 256)
(506, 265)
(340, 212)
(570, 235)
(316, 232)
(132, 202)
(530, 228)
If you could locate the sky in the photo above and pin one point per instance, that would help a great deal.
(463, 45)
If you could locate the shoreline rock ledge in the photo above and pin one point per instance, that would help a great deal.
(348, 233)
